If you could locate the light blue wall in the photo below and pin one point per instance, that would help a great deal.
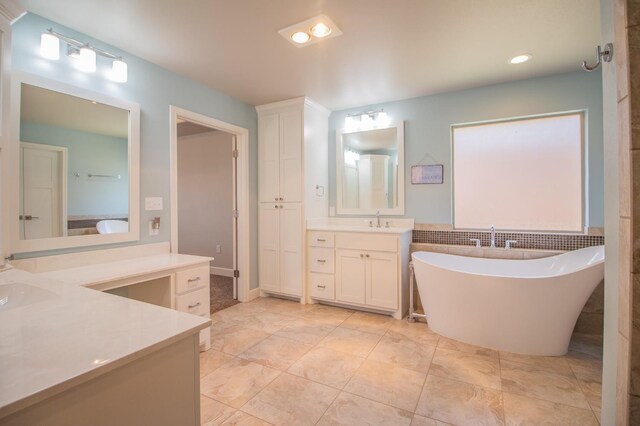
(154, 88)
(427, 131)
(88, 153)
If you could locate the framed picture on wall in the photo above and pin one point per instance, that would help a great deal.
(427, 174)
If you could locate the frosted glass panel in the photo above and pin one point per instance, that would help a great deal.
(520, 175)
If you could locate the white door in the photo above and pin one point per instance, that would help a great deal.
(269, 157)
(43, 191)
(290, 259)
(382, 279)
(291, 156)
(350, 276)
(268, 243)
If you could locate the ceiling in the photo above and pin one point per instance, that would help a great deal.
(389, 50)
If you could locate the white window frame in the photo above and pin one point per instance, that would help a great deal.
(584, 167)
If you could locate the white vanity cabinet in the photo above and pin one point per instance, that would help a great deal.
(293, 177)
(359, 269)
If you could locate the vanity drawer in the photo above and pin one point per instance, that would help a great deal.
(193, 278)
(321, 239)
(362, 241)
(321, 286)
(321, 260)
(196, 302)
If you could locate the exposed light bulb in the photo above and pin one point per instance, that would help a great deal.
(320, 30)
(520, 59)
(50, 46)
(87, 59)
(300, 37)
(382, 119)
(119, 71)
(367, 121)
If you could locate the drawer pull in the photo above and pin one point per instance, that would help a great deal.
(195, 305)
(321, 240)
(192, 280)
(320, 260)
(321, 286)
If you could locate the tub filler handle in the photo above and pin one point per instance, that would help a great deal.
(412, 314)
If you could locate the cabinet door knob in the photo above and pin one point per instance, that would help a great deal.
(276, 199)
(361, 255)
(281, 199)
(276, 206)
(367, 255)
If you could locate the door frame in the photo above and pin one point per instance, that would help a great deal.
(63, 157)
(242, 239)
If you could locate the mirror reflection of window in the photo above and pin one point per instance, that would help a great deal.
(74, 164)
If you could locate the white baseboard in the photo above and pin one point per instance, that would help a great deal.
(225, 272)
(253, 294)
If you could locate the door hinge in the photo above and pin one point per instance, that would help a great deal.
(236, 214)
(236, 274)
(235, 153)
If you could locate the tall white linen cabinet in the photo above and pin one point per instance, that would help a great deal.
(292, 185)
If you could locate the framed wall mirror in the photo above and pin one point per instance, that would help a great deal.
(370, 171)
(73, 169)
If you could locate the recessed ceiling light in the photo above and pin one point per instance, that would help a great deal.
(320, 30)
(520, 59)
(300, 37)
(310, 31)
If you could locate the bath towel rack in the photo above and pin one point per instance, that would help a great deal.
(412, 314)
(94, 175)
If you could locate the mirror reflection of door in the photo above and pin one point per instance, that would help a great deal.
(42, 191)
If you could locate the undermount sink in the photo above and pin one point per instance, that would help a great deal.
(17, 295)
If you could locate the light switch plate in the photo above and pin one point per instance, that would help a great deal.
(153, 203)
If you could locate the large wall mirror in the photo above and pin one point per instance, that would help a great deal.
(74, 171)
(370, 171)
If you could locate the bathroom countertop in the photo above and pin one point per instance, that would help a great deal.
(352, 228)
(68, 334)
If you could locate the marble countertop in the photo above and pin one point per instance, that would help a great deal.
(359, 224)
(352, 228)
(69, 334)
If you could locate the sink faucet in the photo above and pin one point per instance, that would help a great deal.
(493, 236)
(378, 219)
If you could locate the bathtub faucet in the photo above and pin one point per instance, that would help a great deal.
(493, 236)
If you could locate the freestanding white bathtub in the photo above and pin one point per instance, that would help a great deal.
(522, 306)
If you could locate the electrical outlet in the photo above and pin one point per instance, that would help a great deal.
(218, 248)
(153, 203)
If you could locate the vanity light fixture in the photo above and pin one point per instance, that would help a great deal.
(311, 31)
(83, 52)
(519, 59)
(367, 120)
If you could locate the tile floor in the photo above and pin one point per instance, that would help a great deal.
(278, 362)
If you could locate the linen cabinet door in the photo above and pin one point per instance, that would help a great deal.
(268, 246)
(350, 276)
(382, 279)
(269, 158)
(290, 250)
(291, 156)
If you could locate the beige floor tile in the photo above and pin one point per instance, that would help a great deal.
(371, 323)
(237, 381)
(536, 382)
(522, 410)
(213, 412)
(243, 419)
(306, 331)
(237, 339)
(454, 345)
(290, 307)
(424, 421)
(350, 410)
(355, 342)
(551, 363)
(466, 367)
(388, 384)
(404, 353)
(210, 360)
(417, 331)
(291, 400)
(276, 352)
(327, 366)
(237, 312)
(269, 322)
(326, 315)
(460, 403)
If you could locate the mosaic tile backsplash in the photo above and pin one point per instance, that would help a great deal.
(564, 242)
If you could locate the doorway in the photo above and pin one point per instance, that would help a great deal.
(209, 200)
